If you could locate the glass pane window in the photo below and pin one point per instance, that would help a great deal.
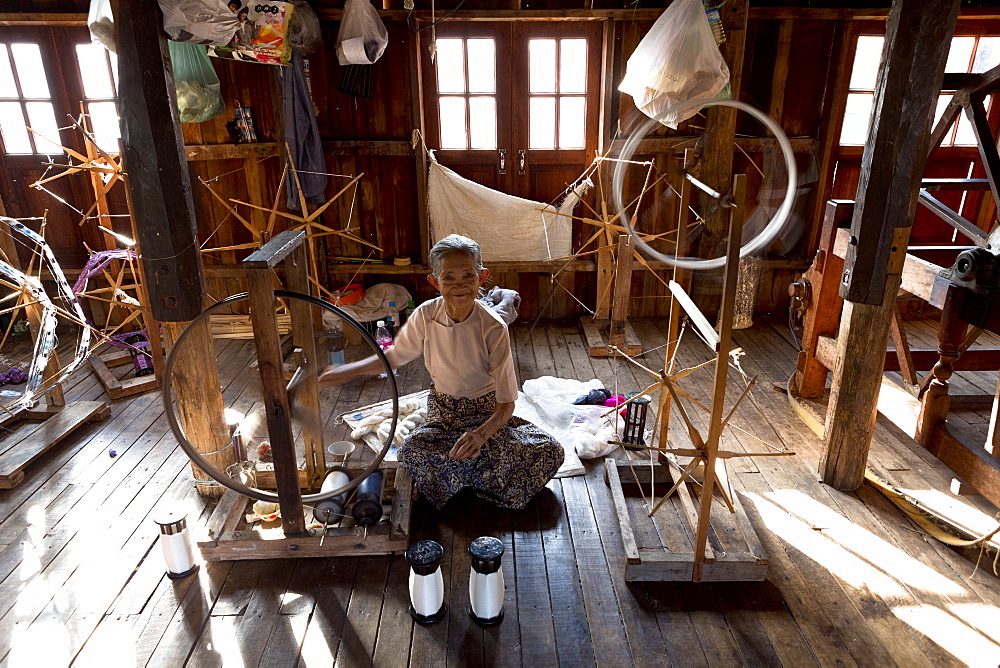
(542, 123)
(98, 71)
(967, 54)
(467, 86)
(482, 122)
(559, 67)
(25, 102)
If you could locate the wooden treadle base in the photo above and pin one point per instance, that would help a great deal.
(596, 334)
(661, 548)
(118, 389)
(233, 539)
(57, 425)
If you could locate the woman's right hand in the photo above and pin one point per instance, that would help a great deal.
(335, 374)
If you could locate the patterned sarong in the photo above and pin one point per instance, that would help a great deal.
(513, 466)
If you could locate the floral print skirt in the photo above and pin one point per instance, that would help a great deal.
(514, 464)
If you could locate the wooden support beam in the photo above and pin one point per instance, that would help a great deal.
(918, 37)
(200, 407)
(153, 154)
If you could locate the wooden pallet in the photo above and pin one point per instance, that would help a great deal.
(231, 538)
(659, 548)
(58, 423)
(118, 389)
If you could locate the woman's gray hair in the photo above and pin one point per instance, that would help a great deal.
(455, 243)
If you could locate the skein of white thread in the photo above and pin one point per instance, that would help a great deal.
(427, 593)
(486, 594)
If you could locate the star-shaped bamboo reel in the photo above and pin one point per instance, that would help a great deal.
(309, 221)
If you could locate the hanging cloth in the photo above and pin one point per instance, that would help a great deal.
(302, 135)
(507, 228)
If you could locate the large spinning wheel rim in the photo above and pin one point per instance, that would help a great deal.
(231, 483)
(764, 237)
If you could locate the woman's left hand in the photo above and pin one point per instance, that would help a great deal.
(468, 445)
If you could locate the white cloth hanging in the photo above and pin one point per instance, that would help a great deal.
(507, 228)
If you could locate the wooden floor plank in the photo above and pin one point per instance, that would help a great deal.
(79, 554)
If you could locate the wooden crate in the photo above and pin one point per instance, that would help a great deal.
(231, 538)
(660, 548)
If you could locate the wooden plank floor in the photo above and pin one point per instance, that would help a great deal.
(851, 581)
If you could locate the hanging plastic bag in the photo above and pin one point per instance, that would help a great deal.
(362, 38)
(303, 32)
(676, 64)
(101, 23)
(199, 21)
(198, 95)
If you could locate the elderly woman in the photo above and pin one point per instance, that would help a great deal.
(471, 438)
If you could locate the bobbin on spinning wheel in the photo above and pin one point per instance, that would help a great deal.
(279, 423)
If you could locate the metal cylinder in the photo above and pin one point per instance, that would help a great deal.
(367, 509)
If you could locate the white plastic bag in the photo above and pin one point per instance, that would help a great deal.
(101, 23)
(676, 64)
(199, 21)
(579, 427)
(362, 38)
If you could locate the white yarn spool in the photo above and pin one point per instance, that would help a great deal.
(486, 581)
(427, 593)
(426, 583)
(332, 510)
(176, 543)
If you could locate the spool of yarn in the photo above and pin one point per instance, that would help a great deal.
(176, 543)
(332, 510)
(426, 582)
(367, 509)
(486, 581)
(13, 376)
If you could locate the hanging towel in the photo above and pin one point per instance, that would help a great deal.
(302, 135)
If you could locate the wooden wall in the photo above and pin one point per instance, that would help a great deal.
(794, 67)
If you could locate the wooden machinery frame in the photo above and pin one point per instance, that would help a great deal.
(737, 554)
(231, 538)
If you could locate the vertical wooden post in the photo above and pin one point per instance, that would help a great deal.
(153, 154)
(305, 329)
(623, 288)
(715, 425)
(683, 278)
(200, 407)
(951, 333)
(918, 38)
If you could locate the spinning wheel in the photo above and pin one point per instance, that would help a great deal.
(246, 403)
(278, 430)
(762, 222)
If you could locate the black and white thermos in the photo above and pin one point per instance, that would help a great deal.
(486, 581)
(176, 542)
(426, 582)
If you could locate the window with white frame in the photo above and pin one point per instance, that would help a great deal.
(26, 102)
(970, 54)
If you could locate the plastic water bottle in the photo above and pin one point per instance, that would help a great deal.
(384, 339)
(392, 319)
(382, 336)
(336, 342)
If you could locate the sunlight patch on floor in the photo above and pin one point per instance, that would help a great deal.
(44, 643)
(862, 560)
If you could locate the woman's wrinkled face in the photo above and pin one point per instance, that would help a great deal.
(457, 279)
